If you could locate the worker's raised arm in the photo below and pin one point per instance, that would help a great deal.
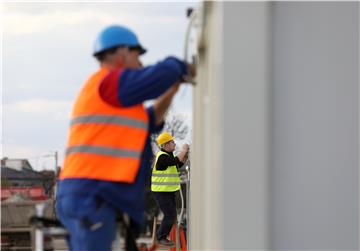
(163, 102)
(183, 154)
(129, 87)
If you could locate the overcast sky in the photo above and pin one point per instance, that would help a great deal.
(46, 57)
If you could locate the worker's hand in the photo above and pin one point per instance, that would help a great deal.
(185, 147)
(191, 70)
(190, 75)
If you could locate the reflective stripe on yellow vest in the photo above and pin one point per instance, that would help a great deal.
(105, 142)
(164, 181)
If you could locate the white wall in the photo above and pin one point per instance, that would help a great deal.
(314, 128)
(206, 154)
(276, 158)
(244, 135)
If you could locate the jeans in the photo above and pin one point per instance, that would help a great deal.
(91, 224)
(167, 204)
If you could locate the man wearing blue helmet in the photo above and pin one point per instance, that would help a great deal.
(108, 153)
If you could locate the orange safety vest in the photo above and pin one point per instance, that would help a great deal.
(105, 142)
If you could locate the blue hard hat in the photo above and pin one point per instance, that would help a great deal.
(114, 36)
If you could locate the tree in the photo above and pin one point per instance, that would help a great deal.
(175, 124)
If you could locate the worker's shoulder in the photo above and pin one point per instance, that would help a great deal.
(163, 156)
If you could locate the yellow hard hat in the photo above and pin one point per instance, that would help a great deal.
(163, 138)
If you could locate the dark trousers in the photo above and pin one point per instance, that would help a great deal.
(167, 204)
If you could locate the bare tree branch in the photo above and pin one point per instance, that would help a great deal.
(175, 125)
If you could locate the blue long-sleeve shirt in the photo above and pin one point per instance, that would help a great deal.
(126, 88)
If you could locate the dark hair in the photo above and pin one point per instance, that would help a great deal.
(100, 56)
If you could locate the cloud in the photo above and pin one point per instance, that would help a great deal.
(23, 23)
(26, 23)
(56, 109)
(34, 127)
(36, 123)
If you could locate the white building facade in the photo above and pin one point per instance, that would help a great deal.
(275, 158)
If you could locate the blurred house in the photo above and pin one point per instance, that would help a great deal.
(18, 176)
(21, 189)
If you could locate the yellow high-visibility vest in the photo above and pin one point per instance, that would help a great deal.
(165, 181)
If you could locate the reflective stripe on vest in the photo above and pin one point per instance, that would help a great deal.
(164, 181)
(103, 150)
(109, 119)
(105, 142)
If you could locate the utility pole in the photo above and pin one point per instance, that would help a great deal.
(55, 180)
(56, 163)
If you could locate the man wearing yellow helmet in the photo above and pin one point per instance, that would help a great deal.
(165, 182)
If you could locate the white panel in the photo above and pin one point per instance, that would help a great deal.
(315, 175)
(206, 173)
(245, 156)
